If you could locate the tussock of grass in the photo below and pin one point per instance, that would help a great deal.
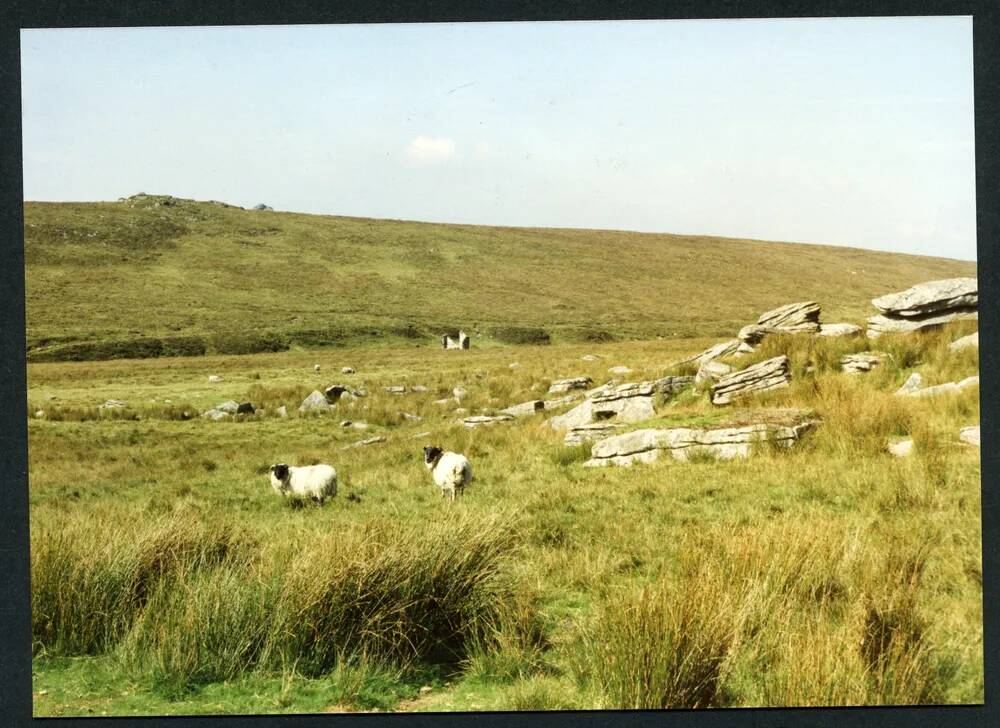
(391, 595)
(89, 583)
(187, 605)
(773, 614)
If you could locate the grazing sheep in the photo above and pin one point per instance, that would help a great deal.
(451, 471)
(312, 481)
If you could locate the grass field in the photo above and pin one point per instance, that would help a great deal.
(157, 276)
(167, 578)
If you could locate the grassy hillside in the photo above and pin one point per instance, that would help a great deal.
(152, 275)
(829, 574)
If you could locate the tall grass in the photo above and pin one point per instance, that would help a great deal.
(89, 583)
(188, 604)
(394, 595)
(773, 614)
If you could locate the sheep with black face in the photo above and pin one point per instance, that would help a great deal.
(317, 482)
(450, 470)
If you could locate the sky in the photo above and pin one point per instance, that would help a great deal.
(844, 131)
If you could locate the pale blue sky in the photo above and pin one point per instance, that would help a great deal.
(844, 131)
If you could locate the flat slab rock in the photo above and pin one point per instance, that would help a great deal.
(363, 443)
(486, 420)
(725, 348)
(892, 324)
(914, 382)
(947, 388)
(793, 318)
(839, 330)
(558, 402)
(565, 385)
(711, 372)
(762, 377)
(629, 402)
(590, 433)
(525, 409)
(930, 297)
(644, 446)
(969, 435)
(672, 385)
(860, 363)
(966, 342)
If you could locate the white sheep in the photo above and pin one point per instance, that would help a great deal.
(451, 471)
(317, 482)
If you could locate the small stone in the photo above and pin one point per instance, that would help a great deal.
(966, 342)
(970, 435)
(901, 449)
(315, 367)
(214, 378)
(346, 370)
(486, 420)
(459, 392)
(315, 402)
(912, 384)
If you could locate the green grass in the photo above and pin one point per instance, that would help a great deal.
(829, 574)
(163, 276)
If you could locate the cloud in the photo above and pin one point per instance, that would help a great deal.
(427, 150)
(482, 150)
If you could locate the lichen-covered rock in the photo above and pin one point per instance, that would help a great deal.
(966, 342)
(668, 386)
(525, 409)
(486, 420)
(839, 330)
(762, 377)
(590, 433)
(682, 442)
(566, 385)
(725, 348)
(970, 435)
(340, 393)
(931, 297)
(315, 402)
(947, 388)
(901, 448)
(802, 317)
(886, 324)
(363, 443)
(558, 402)
(860, 363)
(914, 382)
(711, 372)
